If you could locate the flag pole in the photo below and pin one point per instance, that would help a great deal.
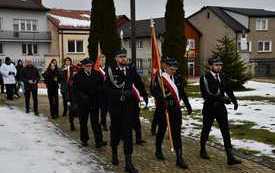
(162, 90)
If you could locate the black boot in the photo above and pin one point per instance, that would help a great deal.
(114, 156)
(180, 162)
(72, 127)
(231, 160)
(129, 167)
(159, 155)
(203, 153)
(100, 144)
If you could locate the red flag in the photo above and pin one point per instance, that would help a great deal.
(155, 53)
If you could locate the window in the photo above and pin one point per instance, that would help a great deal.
(75, 46)
(16, 25)
(1, 48)
(25, 25)
(140, 44)
(29, 49)
(264, 46)
(190, 44)
(261, 24)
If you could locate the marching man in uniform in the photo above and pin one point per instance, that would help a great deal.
(173, 86)
(214, 88)
(119, 85)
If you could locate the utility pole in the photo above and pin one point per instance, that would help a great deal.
(133, 31)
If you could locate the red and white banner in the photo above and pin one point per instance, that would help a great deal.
(171, 87)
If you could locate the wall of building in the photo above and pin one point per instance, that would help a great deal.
(65, 36)
(262, 35)
(54, 45)
(14, 51)
(191, 33)
(9, 15)
(212, 29)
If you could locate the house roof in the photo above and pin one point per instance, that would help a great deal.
(22, 5)
(230, 21)
(70, 19)
(226, 18)
(143, 28)
(75, 19)
(251, 12)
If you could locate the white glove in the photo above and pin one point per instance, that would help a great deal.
(69, 103)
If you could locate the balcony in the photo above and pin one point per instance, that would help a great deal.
(16, 36)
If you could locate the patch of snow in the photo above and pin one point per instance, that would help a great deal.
(261, 89)
(66, 21)
(32, 144)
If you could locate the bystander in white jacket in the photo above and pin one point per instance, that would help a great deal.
(5, 70)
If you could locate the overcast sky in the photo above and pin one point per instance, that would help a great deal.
(156, 8)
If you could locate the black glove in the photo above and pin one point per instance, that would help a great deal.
(236, 106)
(146, 101)
(127, 93)
(226, 100)
(11, 73)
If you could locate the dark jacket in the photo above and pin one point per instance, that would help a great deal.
(209, 89)
(51, 78)
(115, 92)
(19, 69)
(86, 87)
(158, 95)
(30, 73)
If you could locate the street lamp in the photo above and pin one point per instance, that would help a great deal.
(133, 31)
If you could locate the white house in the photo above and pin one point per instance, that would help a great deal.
(24, 30)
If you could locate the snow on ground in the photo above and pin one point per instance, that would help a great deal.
(259, 112)
(263, 149)
(261, 89)
(31, 144)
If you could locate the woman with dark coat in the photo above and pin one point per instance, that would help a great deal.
(18, 77)
(51, 77)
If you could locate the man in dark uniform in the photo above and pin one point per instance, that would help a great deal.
(87, 85)
(119, 83)
(170, 103)
(30, 77)
(158, 103)
(213, 87)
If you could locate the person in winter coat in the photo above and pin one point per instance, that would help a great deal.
(18, 77)
(68, 73)
(8, 72)
(52, 78)
(1, 80)
(30, 78)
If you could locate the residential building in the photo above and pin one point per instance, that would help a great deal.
(143, 40)
(24, 30)
(252, 30)
(70, 33)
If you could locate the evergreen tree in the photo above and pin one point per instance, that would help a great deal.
(174, 44)
(104, 30)
(96, 28)
(233, 65)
